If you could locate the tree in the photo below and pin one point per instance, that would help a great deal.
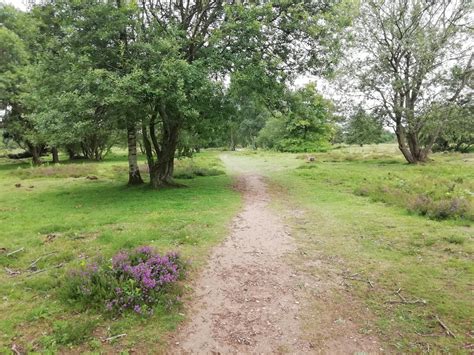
(363, 128)
(458, 133)
(303, 124)
(406, 52)
(193, 42)
(83, 77)
(18, 50)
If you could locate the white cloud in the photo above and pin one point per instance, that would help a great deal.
(19, 4)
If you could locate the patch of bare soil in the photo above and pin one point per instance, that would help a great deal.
(250, 299)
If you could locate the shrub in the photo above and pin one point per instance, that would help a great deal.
(136, 280)
(441, 209)
(421, 205)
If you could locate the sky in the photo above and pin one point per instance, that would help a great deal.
(20, 4)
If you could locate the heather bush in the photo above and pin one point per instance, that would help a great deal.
(131, 281)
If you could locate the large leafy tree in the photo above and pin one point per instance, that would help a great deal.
(165, 65)
(195, 44)
(83, 77)
(19, 47)
(406, 52)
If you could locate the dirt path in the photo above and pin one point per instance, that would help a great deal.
(248, 298)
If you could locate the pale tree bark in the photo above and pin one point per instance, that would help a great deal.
(134, 177)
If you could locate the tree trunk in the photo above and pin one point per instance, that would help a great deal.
(35, 154)
(55, 154)
(134, 177)
(161, 172)
(402, 144)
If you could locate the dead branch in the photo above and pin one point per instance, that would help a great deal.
(46, 269)
(115, 337)
(448, 331)
(403, 300)
(33, 264)
(16, 251)
(15, 350)
(12, 272)
(359, 279)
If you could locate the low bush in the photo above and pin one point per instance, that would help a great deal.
(441, 209)
(134, 281)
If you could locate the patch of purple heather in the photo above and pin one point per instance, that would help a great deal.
(133, 280)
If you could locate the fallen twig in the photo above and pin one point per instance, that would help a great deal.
(404, 300)
(12, 272)
(408, 302)
(115, 337)
(46, 269)
(448, 331)
(359, 279)
(16, 251)
(15, 350)
(33, 264)
(428, 335)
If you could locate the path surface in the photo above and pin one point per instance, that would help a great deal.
(248, 298)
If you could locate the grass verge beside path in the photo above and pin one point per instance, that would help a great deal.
(428, 260)
(62, 218)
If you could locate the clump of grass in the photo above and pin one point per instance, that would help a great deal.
(56, 171)
(188, 169)
(71, 332)
(362, 191)
(132, 281)
(456, 239)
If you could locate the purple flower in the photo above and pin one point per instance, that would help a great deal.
(132, 280)
(147, 250)
(120, 260)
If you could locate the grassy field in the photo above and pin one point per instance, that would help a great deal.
(60, 216)
(358, 209)
(402, 227)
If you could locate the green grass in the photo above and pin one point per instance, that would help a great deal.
(357, 205)
(383, 241)
(57, 210)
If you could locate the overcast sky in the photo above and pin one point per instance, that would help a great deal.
(17, 3)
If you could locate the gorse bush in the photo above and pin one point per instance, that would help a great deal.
(131, 281)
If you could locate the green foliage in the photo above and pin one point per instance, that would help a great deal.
(302, 125)
(18, 52)
(409, 60)
(458, 131)
(69, 333)
(363, 128)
